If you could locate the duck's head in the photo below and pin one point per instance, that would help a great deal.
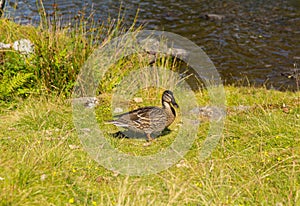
(168, 98)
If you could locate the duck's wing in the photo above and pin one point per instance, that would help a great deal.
(142, 118)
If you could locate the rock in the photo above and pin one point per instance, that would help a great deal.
(4, 46)
(85, 130)
(176, 52)
(43, 177)
(153, 46)
(73, 146)
(118, 110)
(211, 112)
(292, 74)
(182, 163)
(241, 108)
(91, 102)
(215, 17)
(138, 99)
(24, 46)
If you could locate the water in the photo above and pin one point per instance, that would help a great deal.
(257, 40)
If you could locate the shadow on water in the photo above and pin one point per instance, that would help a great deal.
(246, 39)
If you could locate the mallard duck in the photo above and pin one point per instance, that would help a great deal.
(151, 119)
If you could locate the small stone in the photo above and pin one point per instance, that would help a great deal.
(43, 177)
(118, 110)
(152, 45)
(101, 179)
(178, 52)
(91, 102)
(147, 144)
(138, 99)
(182, 163)
(116, 174)
(214, 17)
(72, 146)
(241, 108)
(285, 110)
(4, 46)
(85, 130)
(211, 112)
(236, 35)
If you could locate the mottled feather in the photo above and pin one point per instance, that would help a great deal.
(150, 119)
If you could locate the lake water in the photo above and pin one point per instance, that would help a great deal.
(255, 39)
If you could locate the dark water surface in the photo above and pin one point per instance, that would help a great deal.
(257, 39)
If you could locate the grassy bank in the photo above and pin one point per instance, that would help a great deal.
(255, 163)
(59, 53)
(43, 162)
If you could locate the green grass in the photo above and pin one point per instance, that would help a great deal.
(256, 162)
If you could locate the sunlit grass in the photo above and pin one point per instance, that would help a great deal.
(256, 161)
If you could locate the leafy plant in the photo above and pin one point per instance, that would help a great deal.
(60, 52)
(14, 85)
(16, 75)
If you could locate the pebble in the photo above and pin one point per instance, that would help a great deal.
(118, 110)
(138, 99)
(211, 112)
(217, 17)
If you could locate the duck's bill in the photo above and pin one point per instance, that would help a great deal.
(175, 104)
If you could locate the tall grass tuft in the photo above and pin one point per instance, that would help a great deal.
(59, 51)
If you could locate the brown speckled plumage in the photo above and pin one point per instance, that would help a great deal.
(151, 119)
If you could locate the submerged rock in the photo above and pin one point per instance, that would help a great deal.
(152, 46)
(215, 17)
(292, 74)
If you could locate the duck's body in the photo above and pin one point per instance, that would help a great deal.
(151, 119)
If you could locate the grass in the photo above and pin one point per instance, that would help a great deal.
(255, 163)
